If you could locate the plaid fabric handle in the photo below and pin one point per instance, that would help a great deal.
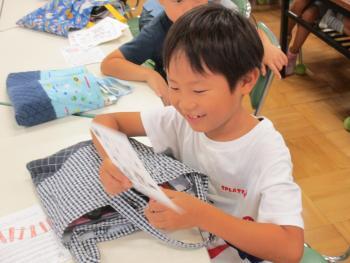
(121, 206)
(83, 242)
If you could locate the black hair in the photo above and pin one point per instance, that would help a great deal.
(217, 38)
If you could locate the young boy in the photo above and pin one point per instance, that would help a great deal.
(212, 57)
(124, 63)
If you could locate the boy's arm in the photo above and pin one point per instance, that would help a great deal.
(263, 240)
(274, 58)
(116, 65)
(128, 123)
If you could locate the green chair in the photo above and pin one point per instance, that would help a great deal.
(312, 256)
(244, 7)
(261, 88)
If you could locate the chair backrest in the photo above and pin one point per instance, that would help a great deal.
(259, 92)
(311, 256)
(244, 7)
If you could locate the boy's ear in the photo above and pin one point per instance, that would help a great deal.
(248, 81)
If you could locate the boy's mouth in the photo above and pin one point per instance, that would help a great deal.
(195, 117)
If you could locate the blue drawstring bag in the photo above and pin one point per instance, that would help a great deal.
(41, 96)
(60, 16)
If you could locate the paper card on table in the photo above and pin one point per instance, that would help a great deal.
(121, 153)
(77, 56)
(26, 236)
(105, 30)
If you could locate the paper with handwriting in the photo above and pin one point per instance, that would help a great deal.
(26, 236)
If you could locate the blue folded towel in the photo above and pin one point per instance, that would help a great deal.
(41, 96)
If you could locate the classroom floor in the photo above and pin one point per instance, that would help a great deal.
(309, 112)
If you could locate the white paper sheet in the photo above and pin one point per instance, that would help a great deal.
(105, 30)
(77, 56)
(26, 236)
(121, 153)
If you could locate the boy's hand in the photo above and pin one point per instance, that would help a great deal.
(159, 85)
(106, 120)
(274, 58)
(165, 218)
(113, 180)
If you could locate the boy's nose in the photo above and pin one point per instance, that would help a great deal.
(187, 105)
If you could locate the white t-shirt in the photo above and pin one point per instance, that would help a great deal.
(249, 177)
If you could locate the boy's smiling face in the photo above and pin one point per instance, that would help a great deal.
(205, 100)
(176, 8)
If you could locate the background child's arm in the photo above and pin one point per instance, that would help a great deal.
(274, 58)
(113, 180)
(117, 66)
(267, 241)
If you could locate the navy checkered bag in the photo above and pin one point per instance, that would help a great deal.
(68, 186)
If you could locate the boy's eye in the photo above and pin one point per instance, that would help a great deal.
(173, 88)
(199, 91)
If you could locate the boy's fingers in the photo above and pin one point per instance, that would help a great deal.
(170, 193)
(114, 181)
(263, 70)
(154, 219)
(110, 184)
(126, 183)
(114, 170)
(276, 72)
(155, 206)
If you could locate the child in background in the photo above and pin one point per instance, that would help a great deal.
(309, 11)
(152, 8)
(125, 62)
(212, 57)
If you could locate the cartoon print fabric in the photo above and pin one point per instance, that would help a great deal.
(60, 16)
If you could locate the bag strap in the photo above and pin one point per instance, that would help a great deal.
(126, 210)
(115, 13)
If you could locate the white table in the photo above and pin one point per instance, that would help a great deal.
(13, 10)
(20, 145)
